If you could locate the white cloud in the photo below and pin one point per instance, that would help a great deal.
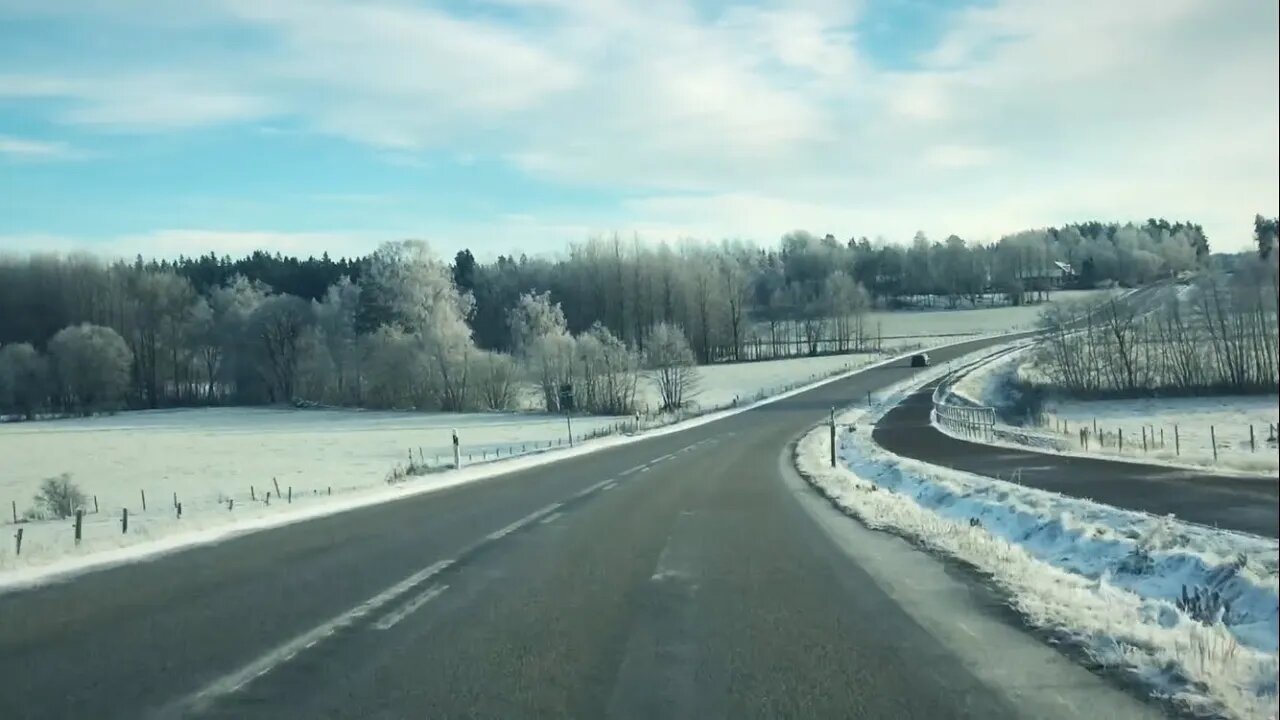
(1026, 112)
(958, 156)
(143, 101)
(37, 150)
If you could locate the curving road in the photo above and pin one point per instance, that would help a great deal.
(687, 575)
(1244, 504)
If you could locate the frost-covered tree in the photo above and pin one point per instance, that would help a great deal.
(541, 340)
(334, 344)
(396, 375)
(91, 364)
(606, 373)
(408, 287)
(277, 327)
(533, 317)
(225, 340)
(24, 380)
(671, 365)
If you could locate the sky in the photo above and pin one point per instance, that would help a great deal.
(514, 126)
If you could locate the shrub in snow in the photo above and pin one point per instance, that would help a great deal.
(497, 381)
(1204, 605)
(58, 497)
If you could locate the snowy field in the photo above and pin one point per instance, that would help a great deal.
(221, 463)
(927, 322)
(1165, 431)
(902, 330)
(1109, 581)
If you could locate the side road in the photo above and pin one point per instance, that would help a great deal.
(1250, 505)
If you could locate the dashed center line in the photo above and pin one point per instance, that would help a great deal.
(237, 679)
(390, 619)
(551, 518)
(529, 519)
(593, 488)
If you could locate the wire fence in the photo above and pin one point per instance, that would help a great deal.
(1245, 445)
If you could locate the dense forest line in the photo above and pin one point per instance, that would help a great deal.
(403, 328)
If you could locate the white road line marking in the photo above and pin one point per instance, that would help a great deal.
(529, 519)
(965, 628)
(390, 619)
(609, 487)
(235, 680)
(499, 534)
(635, 469)
(594, 488)
(550, 518)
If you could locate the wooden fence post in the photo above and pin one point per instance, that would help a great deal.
(1162, 438)
(144, 500)
(17, 539)
(1253, 445)
(1213, 439)
(124, 521)
(1120, 436)
(833, 437)
(253, 494)
(95, 504)
(277, 484)
(14, 505)
(79, 525)
(1177, 441)
(1144, 438)
(291, 494)
(178, 507)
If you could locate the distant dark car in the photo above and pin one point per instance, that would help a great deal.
(920, 360)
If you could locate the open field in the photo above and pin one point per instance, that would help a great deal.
(976, 321)
(221, 463)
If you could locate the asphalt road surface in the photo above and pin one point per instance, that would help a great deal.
(687, 575)
(1250, 505)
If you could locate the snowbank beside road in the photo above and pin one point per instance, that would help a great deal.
(1109, 580)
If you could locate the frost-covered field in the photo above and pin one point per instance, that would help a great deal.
(221, 463)
(1176, 431)
(1108, 580)
(935, 321)
(907, 329)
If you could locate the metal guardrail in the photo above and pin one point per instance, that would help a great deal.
(974, 421)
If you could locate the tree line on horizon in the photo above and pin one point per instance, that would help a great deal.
(403, 328)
